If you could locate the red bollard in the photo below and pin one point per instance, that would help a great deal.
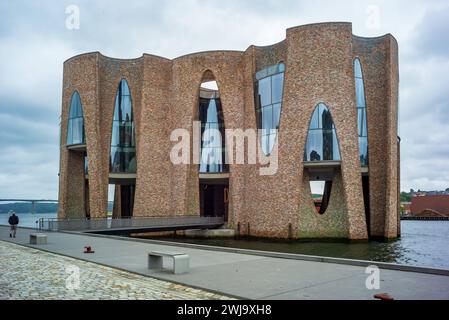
(88, 249)
(384, 297)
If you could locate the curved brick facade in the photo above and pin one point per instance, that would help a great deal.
(319, 68)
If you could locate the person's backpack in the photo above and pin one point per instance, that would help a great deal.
(14, 220)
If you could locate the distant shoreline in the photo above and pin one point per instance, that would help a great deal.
(39, 208)
(29, 212)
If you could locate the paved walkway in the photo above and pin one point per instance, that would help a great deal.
(29, 274)
(248, 276)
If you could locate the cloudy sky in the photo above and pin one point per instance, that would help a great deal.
(34, 42)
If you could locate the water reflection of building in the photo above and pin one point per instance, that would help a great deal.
(326, 98)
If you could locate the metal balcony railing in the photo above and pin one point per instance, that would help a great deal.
(56, 224)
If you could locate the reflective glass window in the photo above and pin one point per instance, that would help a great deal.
(360, 120)
(364, 128)
(277, 87)
(361, 112)
(357, 69)
(276, 115)
(267, 117)
(322, 142)
(86, 164)
(213, 135)
(269, 91)
(360, 93)
(363, 144)
(75, 125)
(265, 92)
(315, 121)
(123, 144)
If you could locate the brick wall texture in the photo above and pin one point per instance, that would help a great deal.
(319, 68)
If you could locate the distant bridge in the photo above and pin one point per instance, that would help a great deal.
(32, 201)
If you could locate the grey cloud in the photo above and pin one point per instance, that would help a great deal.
(424, 117)
(20, 131)
(34, 43)
(431, 34)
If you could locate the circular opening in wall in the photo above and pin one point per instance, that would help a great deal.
(321, 192)
(210, 85)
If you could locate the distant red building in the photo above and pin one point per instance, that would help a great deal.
(430, 206)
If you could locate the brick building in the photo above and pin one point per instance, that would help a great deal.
(430, 206)
(325, 100)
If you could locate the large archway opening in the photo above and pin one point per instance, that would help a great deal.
(362, 125)
(321, 193)
(123, 159)
(213, 169)
(321, 156)
(122, 195)
(78, 178)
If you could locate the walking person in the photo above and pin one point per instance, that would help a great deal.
(13, 222)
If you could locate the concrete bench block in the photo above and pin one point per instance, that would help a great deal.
(181, 261)
(38, 238)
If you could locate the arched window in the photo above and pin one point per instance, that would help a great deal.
(123, 145)
(269, 90)
(322, 143)
(212, 130)
(75, 128)
(361, 112)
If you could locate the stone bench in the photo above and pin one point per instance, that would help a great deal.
(38, 238)
(181, 261)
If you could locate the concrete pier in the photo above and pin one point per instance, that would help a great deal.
(210, 233)
(251, 275)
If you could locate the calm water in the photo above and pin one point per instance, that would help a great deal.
(424, 243)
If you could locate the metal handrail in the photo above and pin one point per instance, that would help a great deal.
(56, 224)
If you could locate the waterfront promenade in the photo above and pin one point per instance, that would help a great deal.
(33, 274)
(243, 275)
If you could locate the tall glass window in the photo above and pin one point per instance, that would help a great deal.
(322, 143)
(269, 90)
(123, 144)
(212, 133)
(75, 128)
(361, 112)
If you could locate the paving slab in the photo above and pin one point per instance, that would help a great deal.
(32, 274)
(248, 276)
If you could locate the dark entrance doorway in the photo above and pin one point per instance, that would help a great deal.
(86, 199)
(86, 187)
(123, 198)
(365, 187)
(214, 199)
(127, 200)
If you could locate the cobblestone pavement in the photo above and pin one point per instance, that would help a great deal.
(27, 273)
